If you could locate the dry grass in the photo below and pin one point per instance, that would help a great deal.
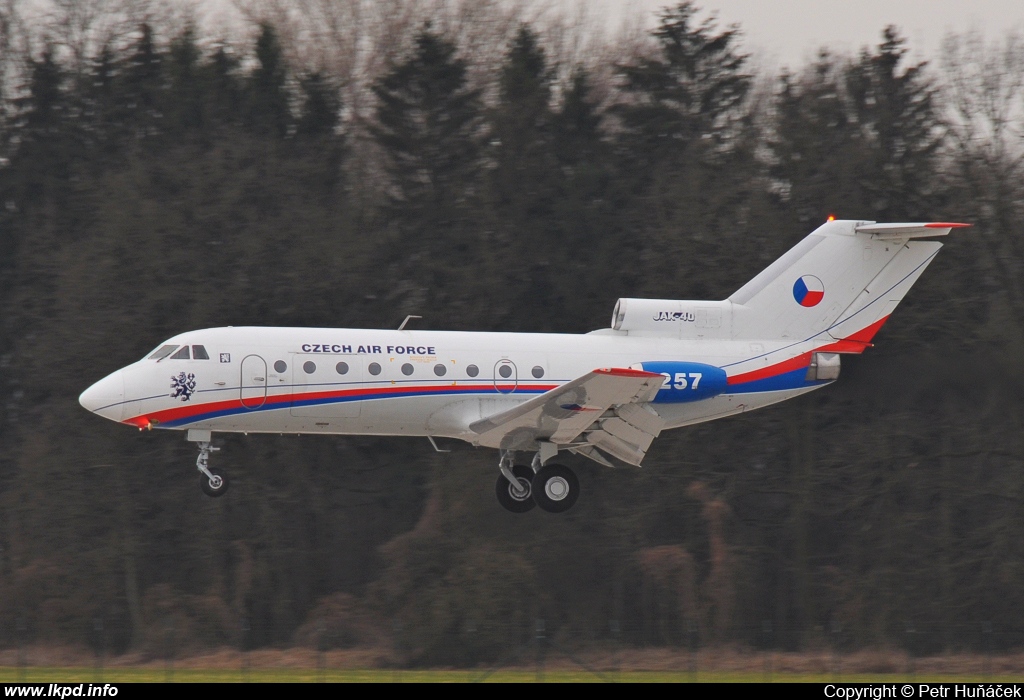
(722, 661)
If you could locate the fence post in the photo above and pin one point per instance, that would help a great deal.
(244, 648)
(766, 635)
(321, 631)
(837, 630)
(97, 625)
(22, 633)
(910, 650)
(539, 639)
(397, 626)
(692, 639)
(986, 645)
(616, 648)
(169, 652)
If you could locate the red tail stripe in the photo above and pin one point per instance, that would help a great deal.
(855, 343)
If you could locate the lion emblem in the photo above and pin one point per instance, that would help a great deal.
(183, 386)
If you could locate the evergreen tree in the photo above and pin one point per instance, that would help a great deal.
(269, 112)
(320, 108)
(524, 163)
(42, 153)
(100, 100)
(317, 140)
(687, 94)
(814, 146)
(428, 123)
(224, 98)
(899, 131)
(687, 146)
(577, 125)
(187, 91)
(142, 86)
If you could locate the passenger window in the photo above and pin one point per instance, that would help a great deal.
(472, 370)
(440, 370)
(505, 371)
(162, 352)
(407, 369)
(374, 369)
(181, 354)
(538, 372)
(341, 367)
(309, 367)
(280, 366)
(199, 353)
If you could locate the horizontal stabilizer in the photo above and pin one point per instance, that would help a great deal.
(919, 230)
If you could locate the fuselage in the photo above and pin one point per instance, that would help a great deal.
(436, 383)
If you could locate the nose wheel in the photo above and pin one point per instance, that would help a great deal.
(213, 485)
(212, 482)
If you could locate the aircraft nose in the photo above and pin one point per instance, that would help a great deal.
(106, 397)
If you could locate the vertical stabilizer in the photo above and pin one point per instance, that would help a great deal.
(844, 279)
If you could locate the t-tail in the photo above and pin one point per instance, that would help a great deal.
(840, 283)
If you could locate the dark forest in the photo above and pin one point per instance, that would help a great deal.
(490, 167)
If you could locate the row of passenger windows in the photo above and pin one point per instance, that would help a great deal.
(198, 353)
(374, 368)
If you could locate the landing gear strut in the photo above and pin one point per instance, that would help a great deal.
(513, 488)
(212, 482)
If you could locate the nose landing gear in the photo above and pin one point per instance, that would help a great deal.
(212, 482)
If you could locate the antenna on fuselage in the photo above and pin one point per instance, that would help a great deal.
(407, 319)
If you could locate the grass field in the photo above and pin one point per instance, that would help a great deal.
(265, 675)
(54, 664)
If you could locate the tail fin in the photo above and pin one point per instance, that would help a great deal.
(845, 279)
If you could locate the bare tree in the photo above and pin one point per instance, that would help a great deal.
(984, 87)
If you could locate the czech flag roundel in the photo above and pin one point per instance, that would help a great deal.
(808, 291)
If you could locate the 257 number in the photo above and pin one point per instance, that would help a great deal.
(680, 380)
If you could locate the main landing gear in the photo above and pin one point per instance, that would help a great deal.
(211, 481)
(553, 487)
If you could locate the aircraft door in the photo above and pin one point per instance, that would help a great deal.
(506, 376)
(253, 385)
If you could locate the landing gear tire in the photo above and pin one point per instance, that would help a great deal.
(555, 488)
(510, 499)
(214, 485)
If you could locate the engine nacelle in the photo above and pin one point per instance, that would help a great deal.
(686, 381)
(824, 367)
(681, 319)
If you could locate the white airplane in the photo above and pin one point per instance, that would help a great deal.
(605, 395)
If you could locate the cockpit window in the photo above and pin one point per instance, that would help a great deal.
(181, 354)
(199, 353)
(162, 352)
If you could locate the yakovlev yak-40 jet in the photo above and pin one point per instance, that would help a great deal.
(604, 395)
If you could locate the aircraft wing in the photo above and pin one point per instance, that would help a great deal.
(598, 410)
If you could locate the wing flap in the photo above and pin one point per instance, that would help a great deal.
(617, 447)
(591, 452)
(641, 418)
(562, 414)
(626, 432)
